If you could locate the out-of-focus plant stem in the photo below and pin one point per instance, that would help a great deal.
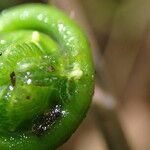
(110, 127)
(108, 120)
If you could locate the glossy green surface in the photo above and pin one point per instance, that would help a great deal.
(46, 77)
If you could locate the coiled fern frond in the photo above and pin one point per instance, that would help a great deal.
(46, 77)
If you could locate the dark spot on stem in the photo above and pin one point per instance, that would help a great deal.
(43, 123)
(51, 69)
(13, 78)
(0, 53)
(28, 97)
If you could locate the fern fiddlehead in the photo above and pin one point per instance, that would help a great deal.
(46, 77)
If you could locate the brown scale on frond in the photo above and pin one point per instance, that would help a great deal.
(43, 123)
(13, 78)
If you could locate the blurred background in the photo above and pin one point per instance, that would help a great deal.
(119, 33)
